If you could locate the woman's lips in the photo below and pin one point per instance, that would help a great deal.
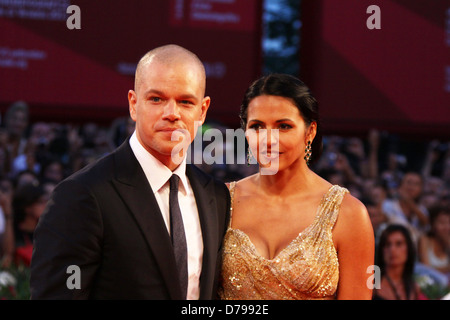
(271, 154)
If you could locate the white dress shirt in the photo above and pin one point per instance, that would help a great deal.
(158, 176)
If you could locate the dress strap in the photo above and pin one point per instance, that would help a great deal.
(331, 205)
(231, 188)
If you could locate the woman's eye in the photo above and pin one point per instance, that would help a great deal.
(285, 126)
(255, 127)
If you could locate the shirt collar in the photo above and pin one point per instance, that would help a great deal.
(157, 173)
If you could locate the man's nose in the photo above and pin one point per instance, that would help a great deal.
(171, 111)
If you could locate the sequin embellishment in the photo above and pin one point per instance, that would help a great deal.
(307, 268)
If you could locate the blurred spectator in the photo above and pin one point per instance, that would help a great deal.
(92, 142)
(345, 161)
(405, 208)
(434, 247)
(353, 149)
(48, 187)
(430, 199)
(375, 191)
(446, 170)
(53, 171)
(16, 123)
(28, 204)
(377, 216)
(7, 245)
(96, 139)
(120, 129)
(396, 256)
(394, 172)
(26, 177)
(436, 160)
(5, 160)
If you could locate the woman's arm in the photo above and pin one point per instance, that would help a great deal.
(354, 239)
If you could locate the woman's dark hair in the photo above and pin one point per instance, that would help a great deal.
(24, 197)
(408, 271)
(290, 87)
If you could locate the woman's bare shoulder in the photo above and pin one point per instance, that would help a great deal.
(353, 207)
(353, 216)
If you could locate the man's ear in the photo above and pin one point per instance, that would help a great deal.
(132, 100)
(205, 106)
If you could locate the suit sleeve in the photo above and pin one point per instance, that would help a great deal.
(67, 244)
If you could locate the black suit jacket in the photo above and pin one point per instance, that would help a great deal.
(105, 220)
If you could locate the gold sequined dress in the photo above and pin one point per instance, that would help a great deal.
(307, 268)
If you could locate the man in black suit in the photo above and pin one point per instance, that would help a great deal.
(109, 223)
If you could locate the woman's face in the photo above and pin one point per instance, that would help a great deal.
(412, 185)
(395, 251)
(441, 226)
(276, 132)
(36, 209)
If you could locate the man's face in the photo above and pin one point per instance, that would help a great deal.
(412, 185)
(17, 123)
(167, 98)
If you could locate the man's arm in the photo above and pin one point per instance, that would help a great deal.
(67, 244)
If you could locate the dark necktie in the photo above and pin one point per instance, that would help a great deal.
(177, 235)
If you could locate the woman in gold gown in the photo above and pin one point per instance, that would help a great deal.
(292, 234)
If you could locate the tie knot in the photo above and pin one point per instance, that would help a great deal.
(174, 181)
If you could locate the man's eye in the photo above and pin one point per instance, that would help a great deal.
(187, 102)
(155, 99)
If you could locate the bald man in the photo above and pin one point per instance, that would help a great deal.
(106, 231)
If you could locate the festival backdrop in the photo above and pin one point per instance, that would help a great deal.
(85, 74)
(395, 78)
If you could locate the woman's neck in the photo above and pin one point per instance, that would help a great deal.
(395, 273)
(28, 224)
(288, 181)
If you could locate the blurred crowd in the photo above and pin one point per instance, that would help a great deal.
(34, 158)
(405, 186)
(401, 182)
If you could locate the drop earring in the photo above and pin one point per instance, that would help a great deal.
(308, 153)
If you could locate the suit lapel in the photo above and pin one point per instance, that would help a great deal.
(203, 189)
(136, 192)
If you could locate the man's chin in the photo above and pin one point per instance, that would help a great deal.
(175, 150)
